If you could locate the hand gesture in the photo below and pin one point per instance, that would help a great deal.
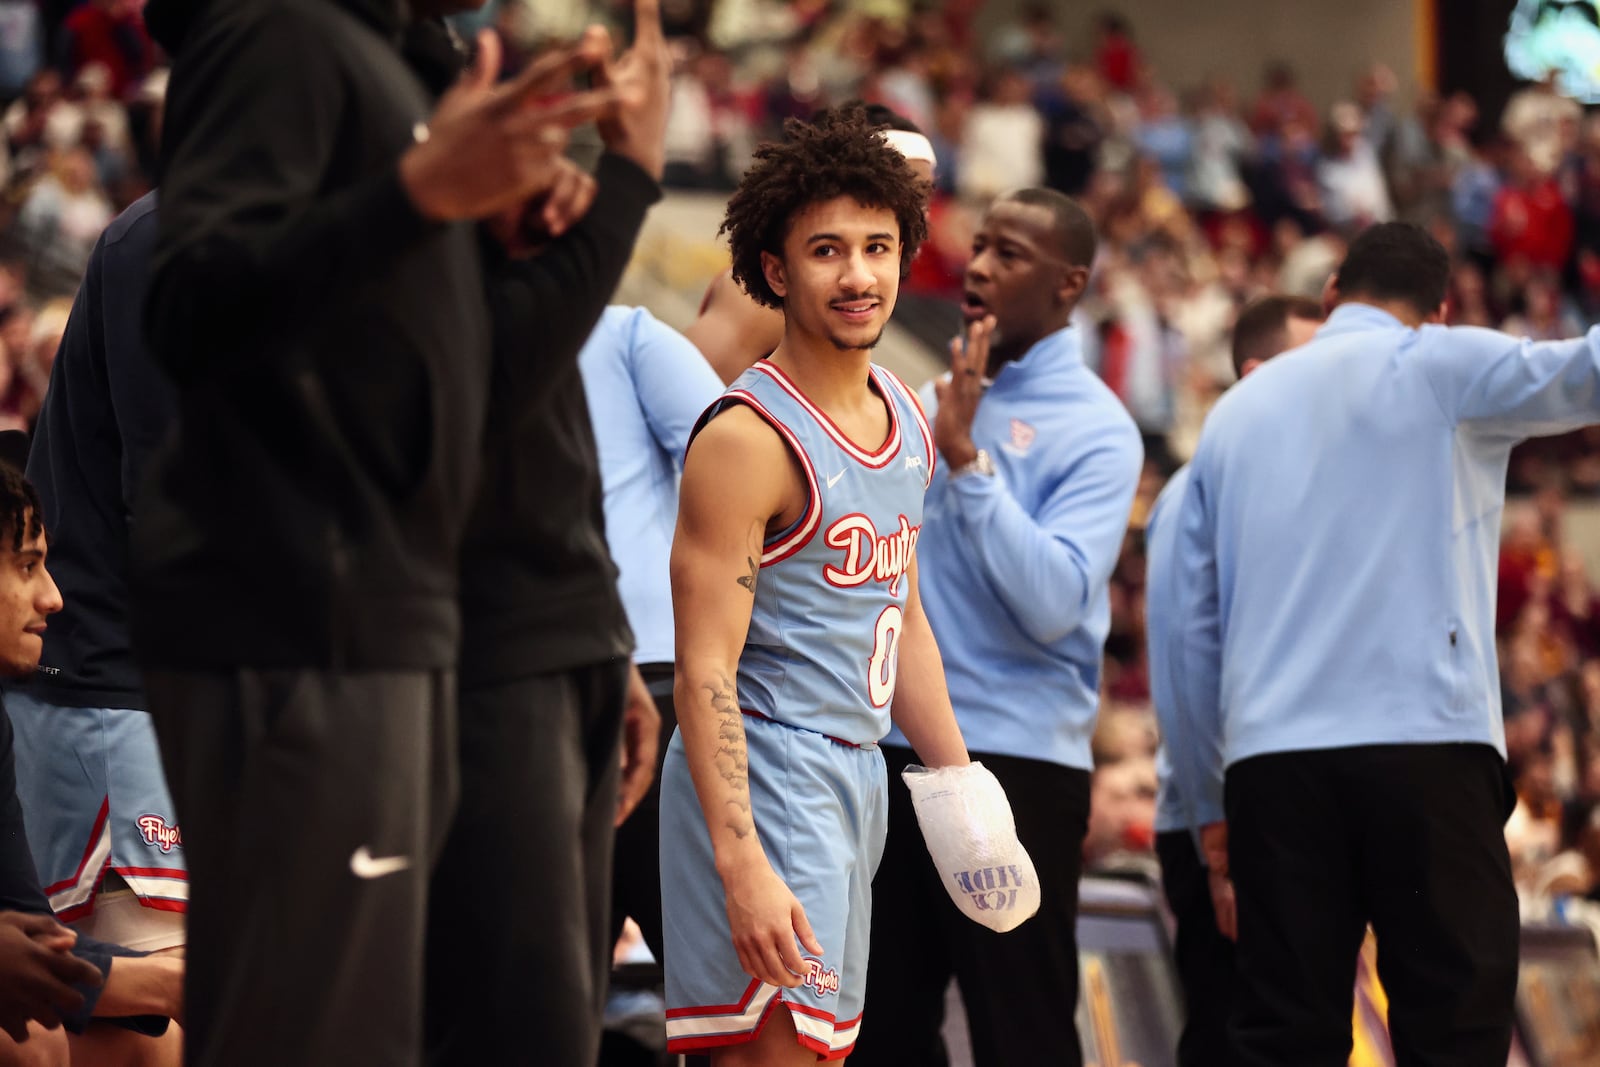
(522, 228)
(1214, 843)
(490, 147)
(642, 79)
(38, 973)
(766, 918)
(641, 736)
(959, 395)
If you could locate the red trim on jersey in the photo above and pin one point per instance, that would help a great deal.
(154, 872)
(165, 904)
(877, 459)
(94, 841)
(76, 912)
(811, 519)
(922, 420)
(743, 1037)
(719, 1009)
(819, 733)
(738, 1037)
(815, 1013)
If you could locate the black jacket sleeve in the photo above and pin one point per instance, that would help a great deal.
(250, 242)
(544, 308)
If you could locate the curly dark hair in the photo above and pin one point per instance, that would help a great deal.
(21, 516)
(841, 154)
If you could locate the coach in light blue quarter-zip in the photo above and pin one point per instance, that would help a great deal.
(1343, 520)
(1023, 524)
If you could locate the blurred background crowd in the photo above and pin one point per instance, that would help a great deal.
(1206, 194)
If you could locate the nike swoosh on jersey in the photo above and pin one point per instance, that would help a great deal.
(834, 479)
(363, 864)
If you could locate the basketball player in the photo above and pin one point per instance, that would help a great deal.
(734, 329)
(113, 1003)
(794, 585)
(1204, 944)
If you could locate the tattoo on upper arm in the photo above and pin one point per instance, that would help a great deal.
(732, 756)
(749, 580)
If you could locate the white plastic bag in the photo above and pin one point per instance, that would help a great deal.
(967, 824)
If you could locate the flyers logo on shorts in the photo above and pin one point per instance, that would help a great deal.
(825, 981)
(157, 832)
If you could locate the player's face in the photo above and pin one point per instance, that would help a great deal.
(840, 272)
(27, 595)
(1017, 275)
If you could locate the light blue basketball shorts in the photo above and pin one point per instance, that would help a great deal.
(820, 809)
(94, 797)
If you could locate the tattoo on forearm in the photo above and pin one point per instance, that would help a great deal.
(732, 756)
(749, 580)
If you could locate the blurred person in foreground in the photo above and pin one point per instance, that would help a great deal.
(317, 296)
(1355, 673)
(1204, 942)
(557, 734)
(1026, 517)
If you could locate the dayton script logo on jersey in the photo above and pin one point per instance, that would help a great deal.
(869, 557)
(991, 888)
(824, 981)
(156, 832)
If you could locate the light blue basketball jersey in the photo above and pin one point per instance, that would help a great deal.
(829, 605)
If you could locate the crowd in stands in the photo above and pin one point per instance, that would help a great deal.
(82, 87)
(1205, 196)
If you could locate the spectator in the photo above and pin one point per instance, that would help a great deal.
(1116, 57)
(1001, 145)
(1222, 142)
(1543, 316)
(1165, 136)
(112, 34)
(61, 220)
(21, 45)
(1354, 192)
(1531, 224)
(1075, 126)
(1539, 119)
(1281, 103)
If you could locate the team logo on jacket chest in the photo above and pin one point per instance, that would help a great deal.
(869, 556)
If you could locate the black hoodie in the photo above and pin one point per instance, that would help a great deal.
(538, 588)
(330, 349)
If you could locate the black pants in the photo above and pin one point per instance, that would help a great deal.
(1020, 988)
(519, 950)
(1407, 837)
(636, 873)
(1204, 956)
(312, 807)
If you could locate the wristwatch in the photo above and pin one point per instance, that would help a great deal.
(980, 464)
